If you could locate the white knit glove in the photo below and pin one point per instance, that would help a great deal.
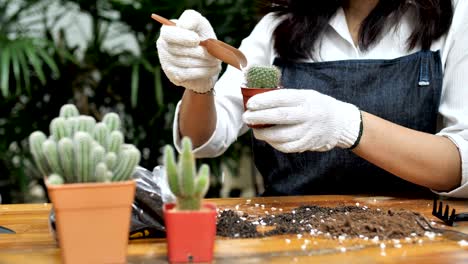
(305, 120)
(183, 61)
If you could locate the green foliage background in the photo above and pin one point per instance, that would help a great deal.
(40, 72)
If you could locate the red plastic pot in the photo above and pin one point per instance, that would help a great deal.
(190, 235)
(249, 92)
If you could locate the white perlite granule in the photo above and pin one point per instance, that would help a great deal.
(430, 235)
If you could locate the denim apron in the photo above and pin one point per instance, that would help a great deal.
(405, 91)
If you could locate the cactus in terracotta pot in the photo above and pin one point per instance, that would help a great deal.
(88, 170)
(260, 79)
(81, 150)
(260, 76)
(185, 183)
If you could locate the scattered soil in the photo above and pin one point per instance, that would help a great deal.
(347, 221)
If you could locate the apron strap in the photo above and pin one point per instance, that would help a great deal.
(424, 69)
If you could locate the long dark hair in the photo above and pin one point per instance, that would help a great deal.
(306, 20)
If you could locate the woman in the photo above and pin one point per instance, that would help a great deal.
(374, 97)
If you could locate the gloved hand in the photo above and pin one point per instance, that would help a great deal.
(183, 61)
(305, 120)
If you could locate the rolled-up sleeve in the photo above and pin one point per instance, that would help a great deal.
(454, 101)
(229, 126)
(462, 145)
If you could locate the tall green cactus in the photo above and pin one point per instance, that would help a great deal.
(185, 183)
(260, 76)
(81, 150)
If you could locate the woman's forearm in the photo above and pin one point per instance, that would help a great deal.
(197, 116)
(424, 159)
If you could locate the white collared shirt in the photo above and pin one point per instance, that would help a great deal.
(337, 44)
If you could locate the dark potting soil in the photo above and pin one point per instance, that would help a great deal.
(348, 221)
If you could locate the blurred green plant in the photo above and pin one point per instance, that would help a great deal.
(40, 71)
(27, 62)
(23, 55)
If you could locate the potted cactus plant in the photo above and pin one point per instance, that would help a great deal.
(190, 222)
(87, 169)
(260, 79)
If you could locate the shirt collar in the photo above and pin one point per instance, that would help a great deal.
(339, 24)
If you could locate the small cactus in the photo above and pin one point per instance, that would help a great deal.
(69, 110)
(81, 150)
(259, 76)
(186, 184)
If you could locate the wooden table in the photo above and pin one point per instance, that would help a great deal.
(33, 242)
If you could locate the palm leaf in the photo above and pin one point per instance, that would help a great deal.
(48, 60)
(135, 81)
(159, 93)
(5, 70)
(147, 65)
(34, 60)
(158, 89)
(25, 70)
(16, 70)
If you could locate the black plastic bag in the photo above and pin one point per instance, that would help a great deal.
(147, 219)
(152, 191)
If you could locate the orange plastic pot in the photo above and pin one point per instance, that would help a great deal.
(190, 235)
(93, 220)
(249, 92)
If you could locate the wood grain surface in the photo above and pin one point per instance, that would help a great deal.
(33, 242)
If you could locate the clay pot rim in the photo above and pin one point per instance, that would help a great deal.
(252, 88)
(88, 185)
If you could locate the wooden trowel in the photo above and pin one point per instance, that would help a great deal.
(216, 48)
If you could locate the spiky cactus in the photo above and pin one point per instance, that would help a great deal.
(186, 184)
(260, 76)
(81, 150)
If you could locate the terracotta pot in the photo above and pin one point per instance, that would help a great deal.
(93, 220)
(190, 234)
(249, 92)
